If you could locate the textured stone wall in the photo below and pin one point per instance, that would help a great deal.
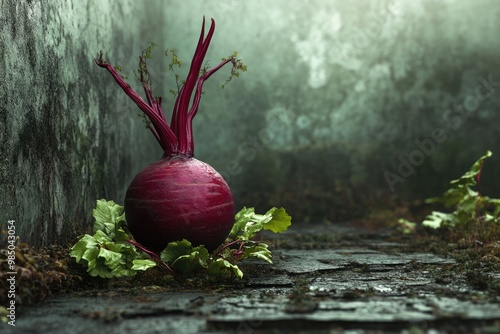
(68, 135)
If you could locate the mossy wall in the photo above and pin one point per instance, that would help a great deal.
(345, 105)
(63, 123)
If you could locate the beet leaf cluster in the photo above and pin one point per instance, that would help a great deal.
(112, 252)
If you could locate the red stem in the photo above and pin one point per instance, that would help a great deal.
(174, 122)
(178, 137)
(151, 254)
(166, 137)
(217, 252)
(182, 127)
(197, 99)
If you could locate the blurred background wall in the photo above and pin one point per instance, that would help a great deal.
(347, 108)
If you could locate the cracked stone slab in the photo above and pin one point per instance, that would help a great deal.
(382, 312)
(145, 313)
(304, 261)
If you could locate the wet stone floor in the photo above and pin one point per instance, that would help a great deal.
(328, 279)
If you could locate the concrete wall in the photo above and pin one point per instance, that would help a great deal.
(68, 135)
(337, 94)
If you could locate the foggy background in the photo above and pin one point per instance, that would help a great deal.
(339, 94)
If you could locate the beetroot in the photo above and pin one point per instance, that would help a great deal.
(177, 197)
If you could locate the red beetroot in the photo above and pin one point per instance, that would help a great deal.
(177, 197)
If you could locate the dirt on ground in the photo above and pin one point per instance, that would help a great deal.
(325, 278)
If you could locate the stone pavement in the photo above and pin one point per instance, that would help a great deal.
(358, 282)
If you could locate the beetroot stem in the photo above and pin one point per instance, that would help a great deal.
(152, 102)
(218, 251)
(178, 137)
(164, 134)
(197, 99)
(155, 103)
(151, 254)
(174, 122)
(187, 90)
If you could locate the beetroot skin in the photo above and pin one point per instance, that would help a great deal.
(179, 198)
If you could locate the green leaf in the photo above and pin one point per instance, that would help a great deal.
(120, 233)
(491, 218)
(257, 250)
(111, 258)
(202, 255)
(438, 219)
(142, 264)
(241, 220)
(224, 268)
(184, 258)
(469, 178)
(493, 204)
(107, 253)
(461, 188)
(192, 262)
(91, 254)
(280, 221)
(96, 268)
(470, 207)
(110, 218)
(81, 249)
(406, 226)
(248, 223)
(176, 249)
(101, 237)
